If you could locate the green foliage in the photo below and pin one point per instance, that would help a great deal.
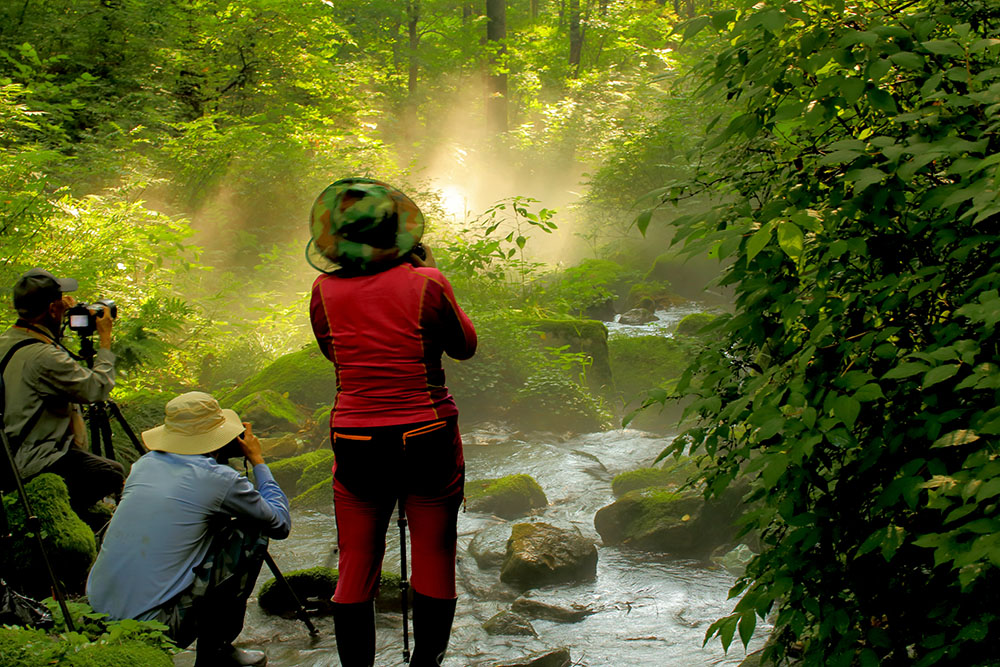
(68, 541)
(97, 641)
(858, 380)
(642, 363)
(549, 400)
(591, 283)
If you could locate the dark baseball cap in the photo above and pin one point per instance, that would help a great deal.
(37, 288)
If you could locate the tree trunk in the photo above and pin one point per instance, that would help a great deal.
(534, 9)
(575, 36)
(412, 19)
(496, 84)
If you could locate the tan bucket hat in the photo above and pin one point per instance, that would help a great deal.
(194, 424)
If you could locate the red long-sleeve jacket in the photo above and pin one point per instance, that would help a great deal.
(385, 334)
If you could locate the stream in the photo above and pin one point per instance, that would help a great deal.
(650, 609)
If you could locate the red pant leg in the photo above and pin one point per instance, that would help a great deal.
(361, 528)
(433, 525)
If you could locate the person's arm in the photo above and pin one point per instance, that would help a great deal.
(58, 374)
(266, 506)
(458, 335)
(320, 321)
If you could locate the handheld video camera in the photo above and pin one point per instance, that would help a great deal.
(82, 318)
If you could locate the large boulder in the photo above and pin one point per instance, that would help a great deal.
(269, 412)
(509, 497)
(539, 554)
(306, 377)
(665, 521)
(69, 542)
(549, 400)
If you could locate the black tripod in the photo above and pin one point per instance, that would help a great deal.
(99, 414)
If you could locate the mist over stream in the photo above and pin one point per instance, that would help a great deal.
(650, 609)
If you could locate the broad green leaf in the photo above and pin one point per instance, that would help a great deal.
(791, 239)
(907, 59)
(939, 374)
(862, 178)
(868, 392)
(956, 438)
(882, 100)
(846, 409)
(944, 47)
(759, 239)
(642, 220)
(905, 370)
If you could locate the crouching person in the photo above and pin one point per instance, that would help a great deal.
(189, 536)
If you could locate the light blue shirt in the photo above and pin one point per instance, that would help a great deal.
(160, 531)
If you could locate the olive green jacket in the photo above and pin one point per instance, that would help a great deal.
(45, 377)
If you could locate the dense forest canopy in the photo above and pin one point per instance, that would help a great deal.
(836, 161)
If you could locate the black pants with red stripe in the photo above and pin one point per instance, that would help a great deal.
(420, 465)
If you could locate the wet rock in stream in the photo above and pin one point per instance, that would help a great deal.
(540, 554)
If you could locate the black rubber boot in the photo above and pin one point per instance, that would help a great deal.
(354, 626)
(432, 619)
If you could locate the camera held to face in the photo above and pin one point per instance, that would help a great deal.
(82, 318)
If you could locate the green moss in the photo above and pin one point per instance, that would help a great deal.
(126, 654)
(692, 324)
(288, 472)
(671, 476)
(589, 337)
(313, 586)
(510, 497)
(27, 647)
(69, 542)
(306, 376)
(639, 479)
(319, 471)
(269, 411)
(317, 497)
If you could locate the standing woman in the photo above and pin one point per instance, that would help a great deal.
(383, 314)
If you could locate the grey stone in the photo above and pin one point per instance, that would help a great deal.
(539, 554)
(509, 623)
(550, 612)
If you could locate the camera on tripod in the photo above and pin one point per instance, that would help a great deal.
(82, 318)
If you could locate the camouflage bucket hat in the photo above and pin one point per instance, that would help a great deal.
(362, 224)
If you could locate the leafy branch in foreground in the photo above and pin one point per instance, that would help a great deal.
(858, 381)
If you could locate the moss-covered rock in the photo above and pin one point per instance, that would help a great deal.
(314, 588)
(69, 542)
(269, 412)
(282, 447)
(692, 324)
(142, 411)
(318, 497)
(509, 497)
(306, 377)
(288, 472)
(669, 476)
(665, 521)
(539, 554)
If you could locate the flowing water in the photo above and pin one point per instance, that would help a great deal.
(650, 609)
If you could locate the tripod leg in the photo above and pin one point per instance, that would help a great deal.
(105, 426)
(117, 413)
(404, 584)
